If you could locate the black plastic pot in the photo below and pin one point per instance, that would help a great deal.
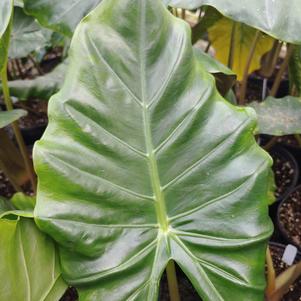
(31, 135)
(285, 234)
(284, 154)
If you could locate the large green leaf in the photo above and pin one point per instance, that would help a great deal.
(58, 15)
(6, 10)
(135, 169)
(42, 87)
(29, 266)
(8, 117)
(27, 35)
(278, 18)
(279, 116)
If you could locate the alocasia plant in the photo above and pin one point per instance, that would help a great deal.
(149, 164)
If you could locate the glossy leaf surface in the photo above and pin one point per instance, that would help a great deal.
(279, 116)
(27, 35)
(278, 18)
(29, 266)
(137, 176)
(58, 15)
(220, 37)
(8, 117)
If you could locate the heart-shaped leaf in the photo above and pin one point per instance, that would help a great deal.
(278, 18)
(62, 16)
(135, 169)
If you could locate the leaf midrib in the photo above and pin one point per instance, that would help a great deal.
(152, 162)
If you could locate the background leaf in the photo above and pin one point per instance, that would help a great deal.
(220, 37)
(279, 116)
(58, 15)
(225, 77)
(9, 117)
(27, 35)
(42, 87)
(6, 9)
(278, 18)
(140, 170)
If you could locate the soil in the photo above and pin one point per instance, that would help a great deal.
(284, 170)
(6, 189)
(289, 140)
(294, 293)
(290, 217)
(70, 295)
(37, 114)
(187, 292)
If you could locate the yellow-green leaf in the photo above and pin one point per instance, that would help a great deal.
(220, 37)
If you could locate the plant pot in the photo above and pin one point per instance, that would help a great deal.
(289, 218)
(286, 172)
(277, 251)
(282, 172)
(32, 134)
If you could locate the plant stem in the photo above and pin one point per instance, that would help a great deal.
(183, 14)
(208, 47)
(298, 138)
(232, 46)
(36, 65)
(271, 274)
(172, 282)
(17, 132)
(243, 89)
(290, 50)
(271, 143)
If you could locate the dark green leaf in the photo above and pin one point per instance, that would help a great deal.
(280, 116)
(42, 87)
(144, 162)
(209, 19)
(62, 16)
(278, 18)
(225, 77)
(27, 35)
(8, 117)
